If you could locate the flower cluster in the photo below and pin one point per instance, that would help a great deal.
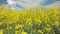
(30, 21)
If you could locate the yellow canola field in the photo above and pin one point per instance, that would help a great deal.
(30, 21)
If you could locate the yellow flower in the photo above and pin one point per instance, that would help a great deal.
(23, 32)
(1, 31)
(16, 32)
(57, 23)
(19, 26)
(48, 28)
(40, 31)
(55, 9)
(0, 23)
(3, 6)
(29, 21)
(38, 21)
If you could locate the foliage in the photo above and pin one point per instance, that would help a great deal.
(30, 21)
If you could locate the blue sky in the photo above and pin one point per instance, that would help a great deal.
(3, 2)
(44, 3)
(47, 3)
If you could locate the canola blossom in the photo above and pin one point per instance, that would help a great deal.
(30, 21)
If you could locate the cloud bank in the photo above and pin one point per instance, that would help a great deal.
(24, 4)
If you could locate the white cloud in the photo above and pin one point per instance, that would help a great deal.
(24, 3)
(11, 2)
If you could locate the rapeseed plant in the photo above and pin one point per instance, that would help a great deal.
(30, 21)
(23, 32)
